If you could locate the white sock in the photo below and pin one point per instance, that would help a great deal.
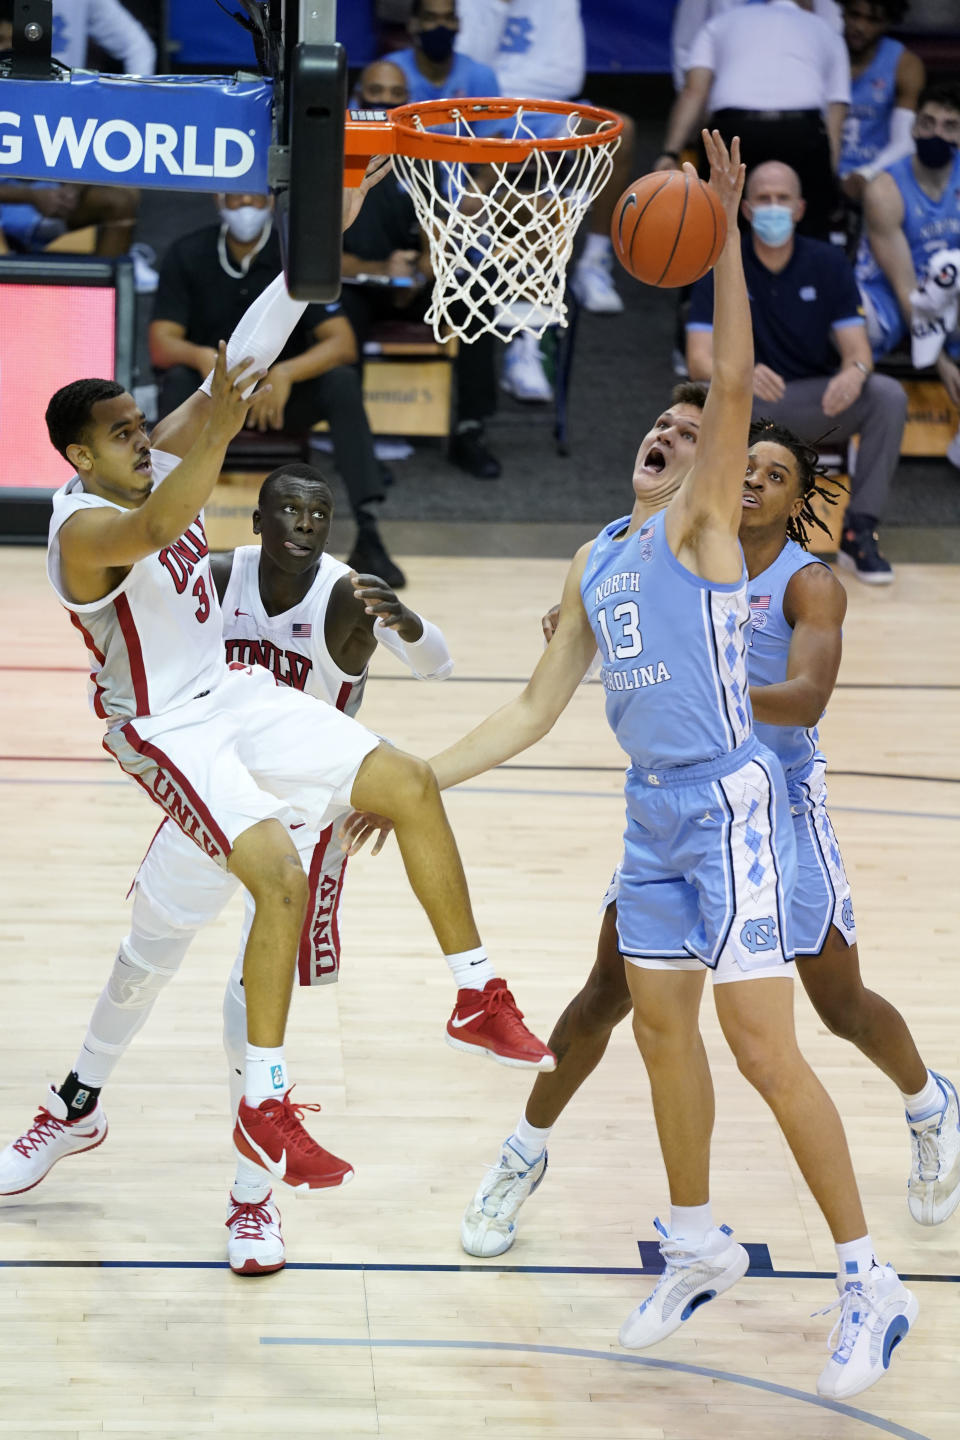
(470, 968)
(529, 1140)
(266, 1075)
(596, 247)
(692, 1223)
(926, 1102)
(855, 1257)
(251, 1186)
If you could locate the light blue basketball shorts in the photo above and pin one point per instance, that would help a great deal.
(709, 868)
(822, 894)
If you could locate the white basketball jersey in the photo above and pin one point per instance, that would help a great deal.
(290, 645)
(155, 641)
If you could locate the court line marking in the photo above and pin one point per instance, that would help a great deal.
(890, 1427)
(755, 1272)
(502, 679)
(551, 794)
(508, 769)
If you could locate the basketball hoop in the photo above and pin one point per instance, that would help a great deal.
(499, 201)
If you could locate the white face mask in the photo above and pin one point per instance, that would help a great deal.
(246, 222)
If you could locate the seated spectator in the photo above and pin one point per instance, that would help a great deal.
(433, 69)
(886, 80)
(911, 212)
(813, 371)
(207, 280)
(33, 213)
(386, 241)
(691, 15)
(791, 110)
(538, 50)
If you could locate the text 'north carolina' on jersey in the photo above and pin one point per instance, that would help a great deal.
(155, 641)
(795, 746)
(291, 645)
(673, 649)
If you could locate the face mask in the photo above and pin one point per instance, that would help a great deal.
(773, 224)
(437, 42)
(934, 152)
(246, 222)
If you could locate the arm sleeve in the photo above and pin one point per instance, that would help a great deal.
(689, 19)
(428, 658)
(122, 36)
(263, 331)
(899, 144)
(482, 24)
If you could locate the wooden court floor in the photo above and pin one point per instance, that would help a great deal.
(119, 1315)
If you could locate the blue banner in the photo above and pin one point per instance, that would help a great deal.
(628, 35)
(200, 33)
(169, 132)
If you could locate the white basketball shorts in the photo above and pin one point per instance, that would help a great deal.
(247, 751)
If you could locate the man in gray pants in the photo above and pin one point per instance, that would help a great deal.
(814, 367)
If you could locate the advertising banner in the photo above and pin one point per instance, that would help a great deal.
(168, 132)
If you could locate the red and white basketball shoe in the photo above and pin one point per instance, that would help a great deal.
(52, 1135)
(488, 1021)
(255, 1246)
(271, 1135)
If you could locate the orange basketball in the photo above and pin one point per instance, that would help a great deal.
(668, 229)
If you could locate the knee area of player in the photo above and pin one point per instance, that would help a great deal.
(661, 1034)
(394, 784)
(604, 1001)
(766, 1062)
(134, 982)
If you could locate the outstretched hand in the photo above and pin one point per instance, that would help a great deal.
(353, 197)
(378, 600)
(357, 829)
(228, 409)
(727, 174)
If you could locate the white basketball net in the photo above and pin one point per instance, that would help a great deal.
(501, 234)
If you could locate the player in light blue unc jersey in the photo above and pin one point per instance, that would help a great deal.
(707, 825)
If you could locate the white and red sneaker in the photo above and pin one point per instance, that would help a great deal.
(26, 1160)
(488, 1021)
(255, 1246)
(272, 1136)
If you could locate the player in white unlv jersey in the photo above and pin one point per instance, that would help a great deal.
(320, 643)
(688, 889)
(226, 752)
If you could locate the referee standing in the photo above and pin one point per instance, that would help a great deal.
(779, 77)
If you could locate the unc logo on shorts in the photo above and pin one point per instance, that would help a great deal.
(846, 914)
(758, 935)
(276, 1076)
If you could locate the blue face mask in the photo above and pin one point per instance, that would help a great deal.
(773, 224)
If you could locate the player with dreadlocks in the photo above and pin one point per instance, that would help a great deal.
(797, 607)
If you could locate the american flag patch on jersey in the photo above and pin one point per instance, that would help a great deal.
(647, 531)
(303, 632)
(757, 602)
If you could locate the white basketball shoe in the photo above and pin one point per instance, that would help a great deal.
(27, 1159)
(876, 1313)
(933, 1190)
(489, 1225)
(690, 1278)
(255, 1246)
